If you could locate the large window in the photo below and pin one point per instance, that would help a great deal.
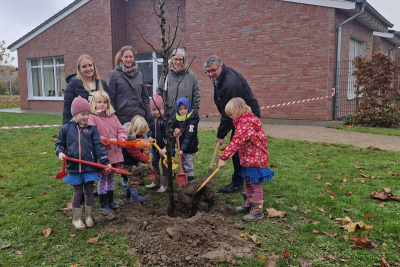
(46, 78)
(150, 64)
(357, 48)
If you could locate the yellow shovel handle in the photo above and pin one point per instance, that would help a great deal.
(207, 180)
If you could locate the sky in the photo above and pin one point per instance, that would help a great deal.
(18, 17)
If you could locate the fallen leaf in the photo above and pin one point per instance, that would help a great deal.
(46, 232)
(331, 257)
(18, 252)
(321, 210)
(5, 246)
(314, 222)
(252, 238)
(261, 257)
(93, 240)
(330, 235)
(344, 180)
(384, 245)
(358, 167)
(43, 153)
(72, 235)
(349, 193)
(271, 264)
(346, 238)
(361, 241)
(368, 227)
(274, 213)
(321, 163)
(348, 225)
(332, 195)
(373, 148)
(306, 211)
(318, 176)
(327, 184)
(385, 263)
(294, 207)
(321, 258)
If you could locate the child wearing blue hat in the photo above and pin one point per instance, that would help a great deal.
(186, 123)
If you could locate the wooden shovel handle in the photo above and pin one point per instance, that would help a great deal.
(214, 155)
(207, 180)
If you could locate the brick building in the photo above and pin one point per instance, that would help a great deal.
(285, 49)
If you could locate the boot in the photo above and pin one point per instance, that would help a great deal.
(136, 197)
(154, 184)
(104, 208)
(111, 204)
(246, 205)
(163, 182)
(77, 219)
(256, 212)
(127, 192)
(88, 216)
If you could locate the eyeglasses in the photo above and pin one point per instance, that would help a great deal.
(178, 59)
(213, 71)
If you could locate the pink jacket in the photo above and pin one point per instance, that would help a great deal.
(110, 128)
(251, 142)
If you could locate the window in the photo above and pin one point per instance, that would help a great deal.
(151, 68)
(46, 78)
(357, 48)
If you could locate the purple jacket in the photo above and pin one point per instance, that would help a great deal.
(110, 128)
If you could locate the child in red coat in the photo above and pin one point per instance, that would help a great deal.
(111, 129)
(251, 143)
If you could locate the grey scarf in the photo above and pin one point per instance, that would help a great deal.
(129, 71)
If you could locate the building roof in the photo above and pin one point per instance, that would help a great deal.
(47, 24)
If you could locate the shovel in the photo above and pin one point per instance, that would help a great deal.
(174, 162)
(152, 176)
(97, 165)
(210, 170)
(209, 178)
(139, 143)
(181, 177)
(62, 174)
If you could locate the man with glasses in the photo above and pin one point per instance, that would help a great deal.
(228, 84)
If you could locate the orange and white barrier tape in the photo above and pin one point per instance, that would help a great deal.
(30, 126)
(270, 106)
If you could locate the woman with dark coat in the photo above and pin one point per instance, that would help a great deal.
(84, 84)
(127, 89)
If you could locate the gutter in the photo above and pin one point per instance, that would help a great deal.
(390, 51)
(339, 44)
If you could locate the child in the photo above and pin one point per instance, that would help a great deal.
(135, 129)
(251, 142)
(158, 131)
(187, 121)
(111, 129)
(81, 141)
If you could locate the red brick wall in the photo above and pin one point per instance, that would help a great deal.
(87, 30)
(118, 26)
(284, 50)
(142, 13)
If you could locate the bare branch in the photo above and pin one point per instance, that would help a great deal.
(144, 39)
(176, 29)
(154, 7)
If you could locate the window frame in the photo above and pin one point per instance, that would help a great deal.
(55, 66)
(155, 63)
(358, 46)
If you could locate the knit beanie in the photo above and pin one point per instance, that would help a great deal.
(79, 104)
(185, 102)
(159, 102)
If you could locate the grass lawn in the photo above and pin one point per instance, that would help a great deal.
(373, 130)
(314, 184)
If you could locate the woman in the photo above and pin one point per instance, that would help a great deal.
(128, 93)
(84, 84)
(188, 87)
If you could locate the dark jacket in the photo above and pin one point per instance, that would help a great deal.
(231, 84)
(129, 95)
(158, 131)
(188, 141)
(74, 89)
(81, 143)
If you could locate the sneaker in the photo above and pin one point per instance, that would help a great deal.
(230, 188)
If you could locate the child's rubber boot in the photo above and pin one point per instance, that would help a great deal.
(246, 205)
(155, 184)
(111, 204)
(88, 216)
(77, 219)
(256, 212)
(124, 180)
(127, 192)
(104, 208)
(136, 197)
(163, 182)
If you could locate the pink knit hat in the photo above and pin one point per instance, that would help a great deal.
(159, 102)
(79, 104)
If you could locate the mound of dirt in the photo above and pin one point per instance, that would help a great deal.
(201, 233)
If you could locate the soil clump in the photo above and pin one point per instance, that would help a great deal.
(202, 232)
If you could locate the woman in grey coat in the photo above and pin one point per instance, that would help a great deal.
(188, 87)
(127, 90)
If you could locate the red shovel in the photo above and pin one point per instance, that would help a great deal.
(146, 152)
(97, 165)
(181, 177)
(62, 174)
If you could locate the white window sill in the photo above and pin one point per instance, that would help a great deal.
(46, 98)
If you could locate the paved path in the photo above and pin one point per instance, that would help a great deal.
(314, 131)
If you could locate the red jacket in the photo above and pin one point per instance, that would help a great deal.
(251, 142)
(136, 154)
(110, 128)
